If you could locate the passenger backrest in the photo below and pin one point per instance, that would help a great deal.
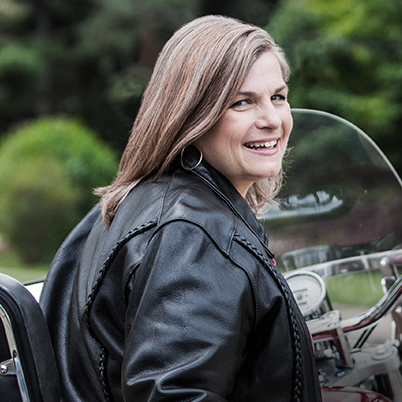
(27, 367)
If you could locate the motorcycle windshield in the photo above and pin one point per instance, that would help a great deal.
(340, 207)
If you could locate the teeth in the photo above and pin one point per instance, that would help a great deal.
(256, 145)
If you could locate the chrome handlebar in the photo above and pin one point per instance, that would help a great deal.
(328, 325)
(371, 317)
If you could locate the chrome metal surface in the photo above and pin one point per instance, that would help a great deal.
(12, 346)
(7, 367)
(376, 313)
(308, 289)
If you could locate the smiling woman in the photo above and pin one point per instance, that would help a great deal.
(248, 142)
(167, 290)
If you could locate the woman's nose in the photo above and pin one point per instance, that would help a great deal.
(268, 117)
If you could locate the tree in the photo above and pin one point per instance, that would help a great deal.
(346, 59)
(258, 12)
(92, 58)
(47, 172)
(89, 59)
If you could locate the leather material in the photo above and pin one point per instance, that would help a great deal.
(178, 300)
(35, 355)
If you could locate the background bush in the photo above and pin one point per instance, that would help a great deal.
(48, 170)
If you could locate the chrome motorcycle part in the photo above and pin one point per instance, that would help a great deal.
(308, 289)
(389, 302)
(13, 366)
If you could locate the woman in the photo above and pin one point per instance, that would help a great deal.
(171, 294)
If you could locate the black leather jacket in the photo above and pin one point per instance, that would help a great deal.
(177, 301)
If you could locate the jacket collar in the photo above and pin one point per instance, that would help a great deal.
(221, 186)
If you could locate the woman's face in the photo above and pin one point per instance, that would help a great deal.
(248, 142)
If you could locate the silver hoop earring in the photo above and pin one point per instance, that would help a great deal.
(196, 165)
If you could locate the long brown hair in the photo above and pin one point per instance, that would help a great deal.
(196, 77)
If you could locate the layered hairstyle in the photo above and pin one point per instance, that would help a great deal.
(195, 79)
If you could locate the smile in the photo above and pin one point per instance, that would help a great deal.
(262, 145)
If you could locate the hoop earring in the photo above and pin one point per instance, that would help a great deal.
(196, 165)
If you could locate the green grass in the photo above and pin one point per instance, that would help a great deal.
(356, 289)
(11, 265)
(25, 274)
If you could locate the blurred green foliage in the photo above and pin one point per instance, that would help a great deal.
(47, 171)
(346, 59)
(91, 59)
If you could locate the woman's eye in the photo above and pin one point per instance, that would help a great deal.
(240, 103)
(278, 97)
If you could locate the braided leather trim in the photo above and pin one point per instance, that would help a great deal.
(297, 382)
(91, 297)
(106, 265)
(102, 374)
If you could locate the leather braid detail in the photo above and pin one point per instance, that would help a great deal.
(102, 374)
(94, 291)
(297, 381)
(106, 266)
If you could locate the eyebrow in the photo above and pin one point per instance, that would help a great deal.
(280, 89)
(252, 93)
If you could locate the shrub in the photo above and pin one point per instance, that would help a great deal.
(48, 170)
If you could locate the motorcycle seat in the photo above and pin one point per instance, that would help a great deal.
(27, 366)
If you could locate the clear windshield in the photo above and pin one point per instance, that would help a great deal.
(340, 208)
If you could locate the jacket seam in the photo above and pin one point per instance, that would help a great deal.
(251, 280)
(91, 297)
(164, 199)
(159, 227)
(195, 223)
(105, 267)
(230, 205)
(297, 381)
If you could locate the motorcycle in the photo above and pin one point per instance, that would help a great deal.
(334, 220)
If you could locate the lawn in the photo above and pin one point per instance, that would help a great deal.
(11, 265)
(25, 274)
(357, 289)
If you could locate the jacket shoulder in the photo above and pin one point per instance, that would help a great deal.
(188, 199)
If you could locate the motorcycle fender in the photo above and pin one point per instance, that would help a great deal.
(350, 394)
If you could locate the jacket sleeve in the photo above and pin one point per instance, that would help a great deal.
(190, 310)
